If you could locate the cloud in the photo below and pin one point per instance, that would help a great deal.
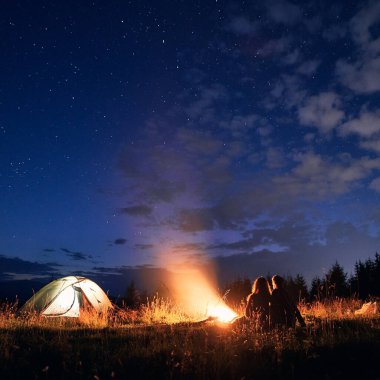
(78, 256)
(274, 47)
(189, 247)
(365, 126)
(166, 190)
(195, 143)
(198, 167)
(363, 75)
(214, 195)
(240, 125)
(317, 177)
(139, 210)
(373, 144)
(308, 68)
(203, 107)
(362, 24)
(232, 208)
(184, 162)
(283, 12)
(290, 89)
(120, 241)
(143, 246)
(290, 234)
(187, 142)
(292, 57)
(13, 266)
(309, 249)
(197, 219)
(242, 26)
(322, 111)
(275, 158)
(375, 184)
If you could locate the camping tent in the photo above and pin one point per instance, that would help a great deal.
(67, 296)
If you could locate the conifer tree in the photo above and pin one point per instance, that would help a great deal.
(301, 286)
(336, 280)
(318, 289)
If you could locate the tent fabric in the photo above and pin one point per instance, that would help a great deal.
(67, 297)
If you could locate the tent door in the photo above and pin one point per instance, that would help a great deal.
(85, 304)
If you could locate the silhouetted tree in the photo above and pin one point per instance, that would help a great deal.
(297, 288)
(376, 275)
(291, 288)
(352, 286)
(318, 289)
(132, 297)
(336, 280)
(361, 281)
(237, 291)
(366, 281)
(300, 283)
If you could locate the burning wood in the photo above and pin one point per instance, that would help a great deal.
(210, 319)
(220, 313)
(195, 290)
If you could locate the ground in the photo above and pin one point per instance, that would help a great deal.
(330, 347)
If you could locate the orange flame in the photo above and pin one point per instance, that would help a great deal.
(196, 292)
(222, 313)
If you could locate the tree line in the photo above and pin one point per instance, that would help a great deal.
(363, 283)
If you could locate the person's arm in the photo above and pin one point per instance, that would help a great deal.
(299, 317)
(296, 312)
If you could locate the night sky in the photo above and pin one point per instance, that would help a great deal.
(134, 134)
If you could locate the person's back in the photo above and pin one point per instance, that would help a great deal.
(257, 308)
(257, 304)
(283, 311)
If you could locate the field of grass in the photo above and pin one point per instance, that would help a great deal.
(160, 342)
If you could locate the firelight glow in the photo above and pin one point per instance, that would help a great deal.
(222, 313)
(196, 291)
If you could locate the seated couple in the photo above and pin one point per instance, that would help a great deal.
(271, 309)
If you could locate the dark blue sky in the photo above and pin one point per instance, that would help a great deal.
(142, 133)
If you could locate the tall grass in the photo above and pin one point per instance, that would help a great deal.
(336, 308)
(158, 310)
(320, 315)
(152, 342)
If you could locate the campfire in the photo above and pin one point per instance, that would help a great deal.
(196, 291)
(221, 313)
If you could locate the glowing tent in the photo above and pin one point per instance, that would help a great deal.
(67, 297)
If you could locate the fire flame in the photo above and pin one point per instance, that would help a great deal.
(196, 292)
(222, 313)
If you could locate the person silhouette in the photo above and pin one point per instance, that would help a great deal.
(257, 308)
(283, 311)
